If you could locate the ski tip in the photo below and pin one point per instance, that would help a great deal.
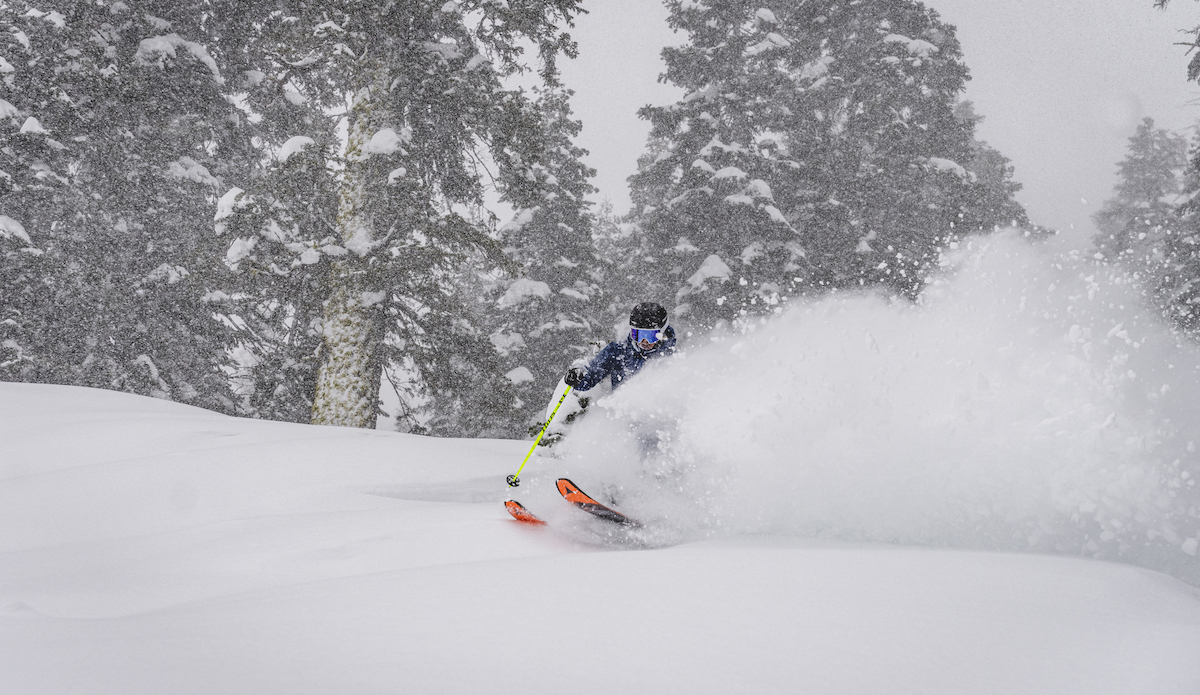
(520, 513)
(571, 492)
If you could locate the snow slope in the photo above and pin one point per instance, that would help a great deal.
(150, 547)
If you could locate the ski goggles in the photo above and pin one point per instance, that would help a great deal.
(650, 335)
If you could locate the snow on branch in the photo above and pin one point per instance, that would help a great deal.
(716, 144)
(388, 141)
(33, 126)
(915, 47)
(522, 218)
(10, 228)
(772, 40)
(507, 343)
(445, 50)
(324, 28)
(158, 48)
(730, 172)
(292, 146)
(228, 204)
(712, 267)
(950, 167)
(519, 375)
(239, 250)
(54, 17)
(765, 15)
(189, 169)
(522, 290)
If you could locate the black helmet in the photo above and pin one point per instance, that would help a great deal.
(648, 315)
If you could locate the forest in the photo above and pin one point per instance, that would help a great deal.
(280, 209)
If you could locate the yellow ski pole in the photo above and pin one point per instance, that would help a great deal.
(513, 480)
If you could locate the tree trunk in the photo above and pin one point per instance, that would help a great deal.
(348, 380)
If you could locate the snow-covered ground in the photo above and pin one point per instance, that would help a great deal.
(150, 547)
(857, 496)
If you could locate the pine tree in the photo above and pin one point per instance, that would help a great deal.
(1177, 285)
(113, 148)
(1175, 249)
(274, 296)
(1151, 226)
(1134, 223)
(426, 114)
(543, 318)
(616, 243)
(994, 174)
(816, 147)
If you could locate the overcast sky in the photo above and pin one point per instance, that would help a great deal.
(1061, 83)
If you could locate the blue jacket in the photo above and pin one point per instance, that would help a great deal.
(619, 361)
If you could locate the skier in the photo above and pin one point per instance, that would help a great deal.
(649, 337)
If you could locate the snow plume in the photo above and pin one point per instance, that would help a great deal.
(1029, 401)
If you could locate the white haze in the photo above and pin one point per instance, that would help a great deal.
(1029, 401)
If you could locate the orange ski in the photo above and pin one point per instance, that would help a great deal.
(520, 513)
(571, 493)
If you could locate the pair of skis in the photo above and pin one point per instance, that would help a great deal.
(571, 493)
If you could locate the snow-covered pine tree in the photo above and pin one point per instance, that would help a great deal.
(419, 87)
(816, 147)
(616, 243)
(1173, 263)
(1149, 224)
(544, 316)
(279, 221)
(1178, 287)
(111, 143)
(273, 301)
(1134, 223)
(994, 174)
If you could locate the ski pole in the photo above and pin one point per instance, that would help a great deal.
(513, 480)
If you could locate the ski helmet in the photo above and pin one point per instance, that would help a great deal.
(648, 315)
(646, 326)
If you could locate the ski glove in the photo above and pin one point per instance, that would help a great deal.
(574, 376)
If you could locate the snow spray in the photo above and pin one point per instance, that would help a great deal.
(1031, 400)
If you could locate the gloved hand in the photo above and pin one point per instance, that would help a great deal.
(574, 376)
